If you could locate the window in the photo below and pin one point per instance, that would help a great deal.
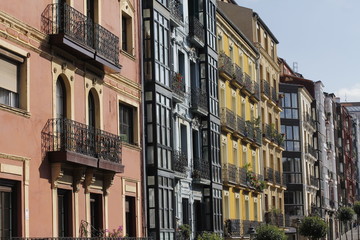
(165, 202)
(126, 33)
(64, 213)
(60, 99)
(292, 140)
(126, 123)
(258, 33)
(272, 49)
(186, 214)
(91, 112)
(96, 214)
(8, 209)
(292, 170)
(130, 211)
(10, 81)
(290, 105)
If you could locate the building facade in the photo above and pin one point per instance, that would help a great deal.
(182, 124)
(71, 146)
(300, 158)
(239, 98)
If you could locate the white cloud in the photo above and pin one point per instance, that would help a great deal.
(351, 94)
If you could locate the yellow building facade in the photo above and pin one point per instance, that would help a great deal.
(241, 138)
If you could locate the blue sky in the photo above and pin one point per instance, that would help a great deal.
(322, 36)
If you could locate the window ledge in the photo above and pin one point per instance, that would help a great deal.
(129, 55)
(134, 146)
(16, 111)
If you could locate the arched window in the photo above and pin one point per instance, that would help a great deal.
(60, 99)
(91, 104)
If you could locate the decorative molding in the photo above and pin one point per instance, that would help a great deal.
(89, 179)
(56, 174)
(108, 182)
(78, 178)
(14, 157)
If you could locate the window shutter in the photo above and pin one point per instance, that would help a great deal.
(8, 75)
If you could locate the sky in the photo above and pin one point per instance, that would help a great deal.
(322, 36)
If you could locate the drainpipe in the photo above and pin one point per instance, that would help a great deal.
(143, 167)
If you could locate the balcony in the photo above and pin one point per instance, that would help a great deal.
(225, 66)
(176, 13)
(178, 86)
(232, 228)
(238, 78)
(272, 134)
(269, 174)
(255, 91)
(257, 136)
(274, 95)
(199, 101)
(201, 169)
(229, 173)
(274, 218)
(309, 119)
(75, 33)
(265, 88)
(242, 173)
(249, 130)
(228, 120)
(71, 142)
(196, 32)
(312, 151)
(240, 125)
(314, 181)
(248, 84)
(246, 224)
(278, 178)
(180, 161)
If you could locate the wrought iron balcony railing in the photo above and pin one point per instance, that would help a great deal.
(246, 224)
(180, 161)
(176, 10)
(199, 99)
(201, 169)
(269, 174)
(242, 172)
(232, 228)
(229, 173)
(63, 20)
(249, 130)
(225, 65)
(265, 87)
(274, 95)
(61, 134)
(310, 120)
(256, 90)
(314, 181)
(278, 177)
(228, 118)
(312, 151)
(274, 218)
(178, 84)
(238, 75)
(257, 136)
(196, 30)
(240, 125)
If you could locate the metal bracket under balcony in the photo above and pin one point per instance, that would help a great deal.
(196, 32)
(75, 33)
(176, 13)
(71, 142)
(199, 101)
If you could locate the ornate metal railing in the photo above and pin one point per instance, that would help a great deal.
(106, 43)
(62, 19)
(240, 125)
(274, 96)
(246, 224)
(228, 118)
(178, 84)
(229, 173)
(180, 161)
(61, 134)
(314, 181)
(278, 177)
(267, 131)
(257, 135)
(238, 74)
(274, 218)
(232, 227)
(201, 169)
(249, 130)
(269, 174)
(311, 150)
(248, 83)
(242, 172)
(199, 99)
(225, 64)
(176, 10)
(256, 90)
(196, 29)
(265, 87)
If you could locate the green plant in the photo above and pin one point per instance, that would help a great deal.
(185, 231)
(209, 236)
(313, 227)
(253, 180)
(345, 214)
(270, 232)
(356, 208)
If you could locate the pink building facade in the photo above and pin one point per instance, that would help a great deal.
(70, 126)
